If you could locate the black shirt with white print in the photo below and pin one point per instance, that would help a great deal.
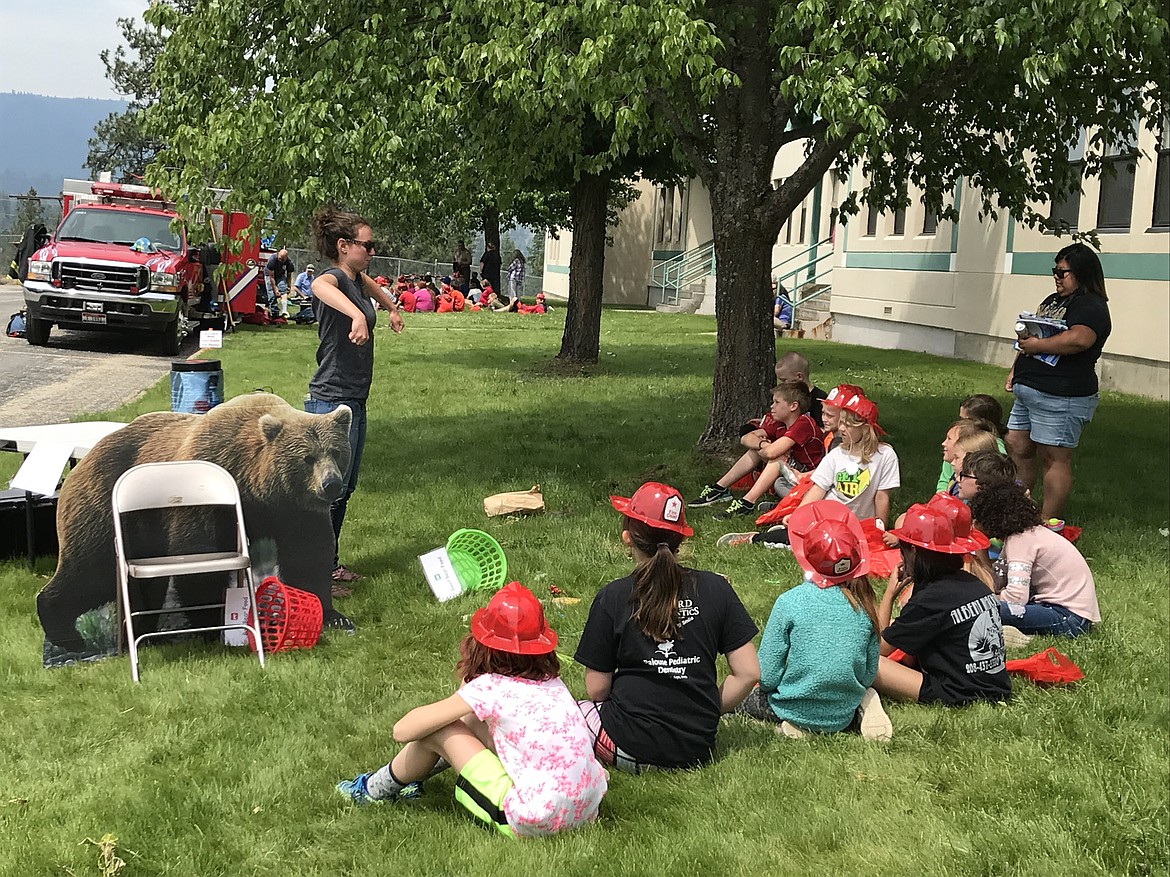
(664, 703)
(952, 626)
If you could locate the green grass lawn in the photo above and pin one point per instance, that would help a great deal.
(212, 767)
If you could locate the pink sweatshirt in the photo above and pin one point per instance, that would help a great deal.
(1044, 567)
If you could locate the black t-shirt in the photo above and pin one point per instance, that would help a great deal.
(1075, 373)
(279, 269)
(490, 262)
(818, 396)
(952, 626)
(344, 369)
(664, 707)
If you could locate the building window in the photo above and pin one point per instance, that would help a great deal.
(1116, 200)
(1066, 208)
(1162, 180)
(803, 221)
(871, 221)
(788, 230)
(930, 223)
(900, 221)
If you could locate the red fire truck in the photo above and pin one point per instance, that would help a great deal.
(116, 263)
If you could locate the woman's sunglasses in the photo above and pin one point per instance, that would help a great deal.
(370, 246)
(1059, 273)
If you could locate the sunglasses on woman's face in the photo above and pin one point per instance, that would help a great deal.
(370, 246)
(1059, 273)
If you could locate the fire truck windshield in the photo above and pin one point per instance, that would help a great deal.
(118, 227)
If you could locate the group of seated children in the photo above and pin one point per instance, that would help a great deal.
(531, 761)
(424, 294)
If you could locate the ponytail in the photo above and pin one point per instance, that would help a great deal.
(859, 593)
(658, 580)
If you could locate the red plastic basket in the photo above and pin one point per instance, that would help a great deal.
(289, 618)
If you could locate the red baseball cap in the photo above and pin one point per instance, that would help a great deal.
(656, 504)
(513, 621)
(828, 542)
(929, 528)
(960, 515)
(864, 408)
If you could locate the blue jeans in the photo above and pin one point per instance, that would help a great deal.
(357, 443)
(1044, 618)
(1056, 421)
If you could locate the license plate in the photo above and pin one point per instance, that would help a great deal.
(93, 318)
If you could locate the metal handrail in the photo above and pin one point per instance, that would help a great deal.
(793, 273)
(674, 273)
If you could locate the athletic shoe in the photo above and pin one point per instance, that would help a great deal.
(875, 724)
(789, 730)
(346, 576)
(710, 495)
(734, 540)
(763, 507)
(336, 621)
(356, 791)
(739, 508)
(1014, 638)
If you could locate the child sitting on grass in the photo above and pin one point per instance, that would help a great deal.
(831, 412)
(1045, 585)
(651, 643)
(788, 441)
(860, 473)
(988, 413)
(512, 732)
(819, 651)
(793, 366)
(950, 627)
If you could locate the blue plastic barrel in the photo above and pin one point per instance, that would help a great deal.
(196, 385)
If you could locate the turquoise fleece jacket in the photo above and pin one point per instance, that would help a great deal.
(817, 656)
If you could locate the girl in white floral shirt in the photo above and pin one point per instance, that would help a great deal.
(512, 732)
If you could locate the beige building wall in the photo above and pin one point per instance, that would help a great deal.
(907, 281)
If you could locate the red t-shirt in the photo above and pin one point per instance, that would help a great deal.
(406, 301)
(458, 300)
(808, 447)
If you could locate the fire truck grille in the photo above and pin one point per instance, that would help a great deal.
(102, 278)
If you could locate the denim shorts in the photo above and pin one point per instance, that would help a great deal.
(1056, 421)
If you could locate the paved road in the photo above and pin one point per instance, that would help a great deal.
(78, 373)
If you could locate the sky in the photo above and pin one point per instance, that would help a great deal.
(53, 48)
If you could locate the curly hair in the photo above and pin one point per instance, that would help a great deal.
(331, 225)
(1004, 510)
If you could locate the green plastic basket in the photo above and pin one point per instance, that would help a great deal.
(478, 560)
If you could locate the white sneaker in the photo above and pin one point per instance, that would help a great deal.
(789, 730)
(875, 724)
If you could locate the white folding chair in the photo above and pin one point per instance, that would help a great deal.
(169, 486)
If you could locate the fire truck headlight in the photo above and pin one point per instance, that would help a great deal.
(163, 281)
(39, 270)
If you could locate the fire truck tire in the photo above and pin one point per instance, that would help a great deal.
(173, 337)
(37, 331)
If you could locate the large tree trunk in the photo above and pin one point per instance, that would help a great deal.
(491, 226)
(582, 339)
(745, 353)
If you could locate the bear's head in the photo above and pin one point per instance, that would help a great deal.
(308, 454)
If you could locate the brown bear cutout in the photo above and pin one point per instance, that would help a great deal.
(289, 466)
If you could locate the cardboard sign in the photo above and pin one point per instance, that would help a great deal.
(211, 338)
(236, 610)
(440, 574)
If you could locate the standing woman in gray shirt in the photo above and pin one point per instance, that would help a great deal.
(345, 355)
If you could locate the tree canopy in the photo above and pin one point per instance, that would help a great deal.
(294, 104)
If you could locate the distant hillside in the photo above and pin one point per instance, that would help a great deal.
(45, 140)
